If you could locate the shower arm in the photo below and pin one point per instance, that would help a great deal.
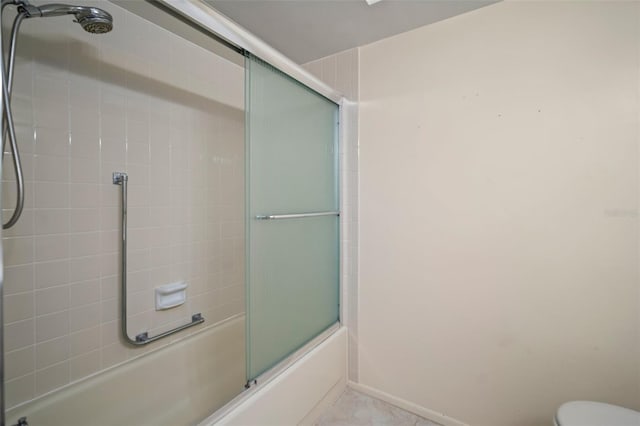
(23, 6)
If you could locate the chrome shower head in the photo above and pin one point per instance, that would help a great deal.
(92, 19)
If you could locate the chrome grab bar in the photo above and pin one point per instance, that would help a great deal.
(121, 178)
(295, 215)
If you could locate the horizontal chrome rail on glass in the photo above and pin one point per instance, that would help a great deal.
(295, 215)
(120, 178)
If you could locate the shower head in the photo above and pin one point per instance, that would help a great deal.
(92, 19)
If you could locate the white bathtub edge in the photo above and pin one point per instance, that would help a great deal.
(327, 401)
(301, 392)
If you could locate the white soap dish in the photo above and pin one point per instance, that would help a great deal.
(171, 295)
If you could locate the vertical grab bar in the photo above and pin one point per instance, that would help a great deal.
(121, 178)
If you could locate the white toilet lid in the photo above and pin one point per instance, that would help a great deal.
(587, 413)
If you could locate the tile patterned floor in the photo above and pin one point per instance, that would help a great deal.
(355, 409)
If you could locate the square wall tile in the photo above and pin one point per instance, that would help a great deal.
(78, 122)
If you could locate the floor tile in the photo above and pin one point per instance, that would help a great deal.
(355, 409)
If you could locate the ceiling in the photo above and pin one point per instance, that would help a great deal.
(305, 30)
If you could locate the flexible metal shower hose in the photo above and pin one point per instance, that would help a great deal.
(8, 125)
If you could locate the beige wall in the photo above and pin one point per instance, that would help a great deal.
(170, 113)
(499, 209)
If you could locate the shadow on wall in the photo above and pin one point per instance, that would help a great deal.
(121, 69)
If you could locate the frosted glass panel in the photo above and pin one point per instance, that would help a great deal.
(292, 272)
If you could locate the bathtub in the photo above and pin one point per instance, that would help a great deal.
(183, 383)
(180, 384)
(299, 393)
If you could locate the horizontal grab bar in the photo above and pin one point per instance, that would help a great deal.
(143, 338)
(120, 178)
(295, 215)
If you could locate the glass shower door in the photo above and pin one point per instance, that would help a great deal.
(292, 223)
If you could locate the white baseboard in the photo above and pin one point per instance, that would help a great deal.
(416, 409)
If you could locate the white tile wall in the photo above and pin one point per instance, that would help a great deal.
(169, 113)
(340, 71)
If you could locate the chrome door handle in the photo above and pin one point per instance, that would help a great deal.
(295, 215)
